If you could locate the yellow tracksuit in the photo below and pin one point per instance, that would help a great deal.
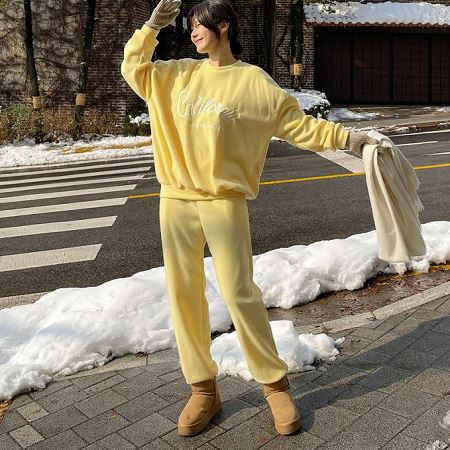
(211, 129)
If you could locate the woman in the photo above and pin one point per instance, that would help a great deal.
(212, 120)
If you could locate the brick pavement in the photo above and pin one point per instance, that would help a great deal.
(388, 389)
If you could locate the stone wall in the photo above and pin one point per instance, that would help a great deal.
(57, 26)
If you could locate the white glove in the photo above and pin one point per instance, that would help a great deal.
(163, 14)
(356, 141)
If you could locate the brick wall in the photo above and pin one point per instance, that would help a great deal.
(107, 89)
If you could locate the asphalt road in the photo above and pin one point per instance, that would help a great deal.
(128, 240)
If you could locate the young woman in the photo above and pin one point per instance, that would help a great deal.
(212, 120)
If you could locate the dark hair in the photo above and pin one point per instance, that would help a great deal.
(210, 13)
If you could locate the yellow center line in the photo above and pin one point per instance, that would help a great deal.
(319, 177)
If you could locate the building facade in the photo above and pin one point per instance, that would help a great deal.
(380, 52)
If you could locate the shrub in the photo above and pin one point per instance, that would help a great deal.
(17, 122)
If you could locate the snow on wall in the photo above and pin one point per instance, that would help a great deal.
(417, 13)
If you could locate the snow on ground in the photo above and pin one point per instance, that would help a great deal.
(72, 329)
(26, 153)
(387, 13)
(142, 118)
(338, 114)
(440, 109)
(437, 445)
(446, 421)
(309, 98)
(298, 351)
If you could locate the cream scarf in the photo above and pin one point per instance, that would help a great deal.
(392, 184)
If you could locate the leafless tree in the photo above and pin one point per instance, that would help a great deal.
(32, 73)
(86, 45)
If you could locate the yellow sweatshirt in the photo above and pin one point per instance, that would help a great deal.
(211, 126)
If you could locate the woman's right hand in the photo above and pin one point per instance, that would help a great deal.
(164, 13)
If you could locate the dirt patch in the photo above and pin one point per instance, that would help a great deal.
(376, 292)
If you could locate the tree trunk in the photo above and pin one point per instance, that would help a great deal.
(31, 70)
(297, 29)
(86, 45)
(256, 52)
(268, 23)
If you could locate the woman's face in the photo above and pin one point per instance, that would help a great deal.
(203, 38)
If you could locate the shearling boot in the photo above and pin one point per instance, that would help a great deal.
(200, 409)
(285, 414)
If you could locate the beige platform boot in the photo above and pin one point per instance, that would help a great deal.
(285, 414)
(202, 406)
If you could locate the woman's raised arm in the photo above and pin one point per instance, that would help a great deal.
(137, 66)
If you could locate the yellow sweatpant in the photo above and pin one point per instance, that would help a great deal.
(223, 223)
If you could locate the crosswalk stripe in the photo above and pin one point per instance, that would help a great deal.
(57, 227)
(33, 197)
(343, 159)
(24, 299)
(71, 169)
(82, 163)
(49, 257)
(63, 207)
(70, 183)
(78, 175)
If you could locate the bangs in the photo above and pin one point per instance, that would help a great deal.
(202, 12)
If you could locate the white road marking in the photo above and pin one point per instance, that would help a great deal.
(34, 197)
(416, 143)
(57, 227)
(63, 207)
(49, 257)
(80, 163)
(78, 175)
(70, 183)
(25, 299)
(343, 159)
(440, 153)
(69, 169)
(421, 132)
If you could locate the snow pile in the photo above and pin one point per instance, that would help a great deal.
(437, 445)
(446, 421)
(71, 329)
(309, 98)
(27, 153)
(143, 118)
(337, 114)
(440, 109)
(298, 351)
(419, 13)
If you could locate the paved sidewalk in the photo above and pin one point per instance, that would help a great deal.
(389, 388)
(419, 117)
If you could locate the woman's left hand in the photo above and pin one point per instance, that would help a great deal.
(356, 141)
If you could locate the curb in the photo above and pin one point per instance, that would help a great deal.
(344, 323)
(391, 130)
(405, 304)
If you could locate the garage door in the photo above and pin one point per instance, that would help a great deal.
(383, 67)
